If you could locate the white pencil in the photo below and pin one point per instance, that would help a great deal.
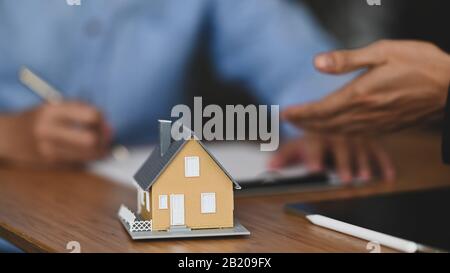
(40, 87)
(363, 233)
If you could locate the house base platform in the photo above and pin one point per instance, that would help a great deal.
(237, 230)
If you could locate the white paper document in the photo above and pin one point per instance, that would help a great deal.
(244, 161)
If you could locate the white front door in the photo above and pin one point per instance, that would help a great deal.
(177, 209)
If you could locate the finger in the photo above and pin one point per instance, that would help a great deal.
(328, 126)
(344, 61)
(81, 117)
(342, 157)
(352, 122)
(320, 110)
(341, 100)
(314, 153)
(336, 102)
(362, 161)
(79, 138)
(106, 136)
(78, 113)
(339, 110)
(289, 153)
(55, 153)
(384, 161)
(108, 132)
(72, 154)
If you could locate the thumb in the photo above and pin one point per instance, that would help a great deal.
(344, 61)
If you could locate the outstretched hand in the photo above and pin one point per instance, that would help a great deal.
(405, 83)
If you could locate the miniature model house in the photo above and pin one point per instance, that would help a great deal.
(182, 186)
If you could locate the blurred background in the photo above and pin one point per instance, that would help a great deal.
(133, 49)
(353, 23)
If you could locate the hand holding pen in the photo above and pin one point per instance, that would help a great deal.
(57, 132)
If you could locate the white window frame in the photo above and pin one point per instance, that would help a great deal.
(147, 201)
(161, 203)
(204, 206)
(141, 198)
(192, 166)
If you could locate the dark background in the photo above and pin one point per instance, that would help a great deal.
(355, 23)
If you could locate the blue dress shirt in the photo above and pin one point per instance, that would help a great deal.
(129, 57)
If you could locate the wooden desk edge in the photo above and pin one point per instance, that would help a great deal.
(22, 241)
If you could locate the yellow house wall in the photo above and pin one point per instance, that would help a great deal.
(211, 179)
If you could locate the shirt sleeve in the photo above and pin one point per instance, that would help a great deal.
(15, 98)
(269, 46)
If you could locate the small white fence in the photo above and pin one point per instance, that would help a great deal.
(141, 226)
(133, 224)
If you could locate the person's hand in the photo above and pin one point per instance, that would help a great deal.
(406, 83)
(353, 158)
(66, 133)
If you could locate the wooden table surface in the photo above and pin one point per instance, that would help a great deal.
(41, 211)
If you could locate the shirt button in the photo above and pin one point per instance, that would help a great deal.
(93, 28)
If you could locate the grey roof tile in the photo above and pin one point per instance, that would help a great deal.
(155, 164)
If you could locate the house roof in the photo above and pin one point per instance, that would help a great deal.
(155, 164)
